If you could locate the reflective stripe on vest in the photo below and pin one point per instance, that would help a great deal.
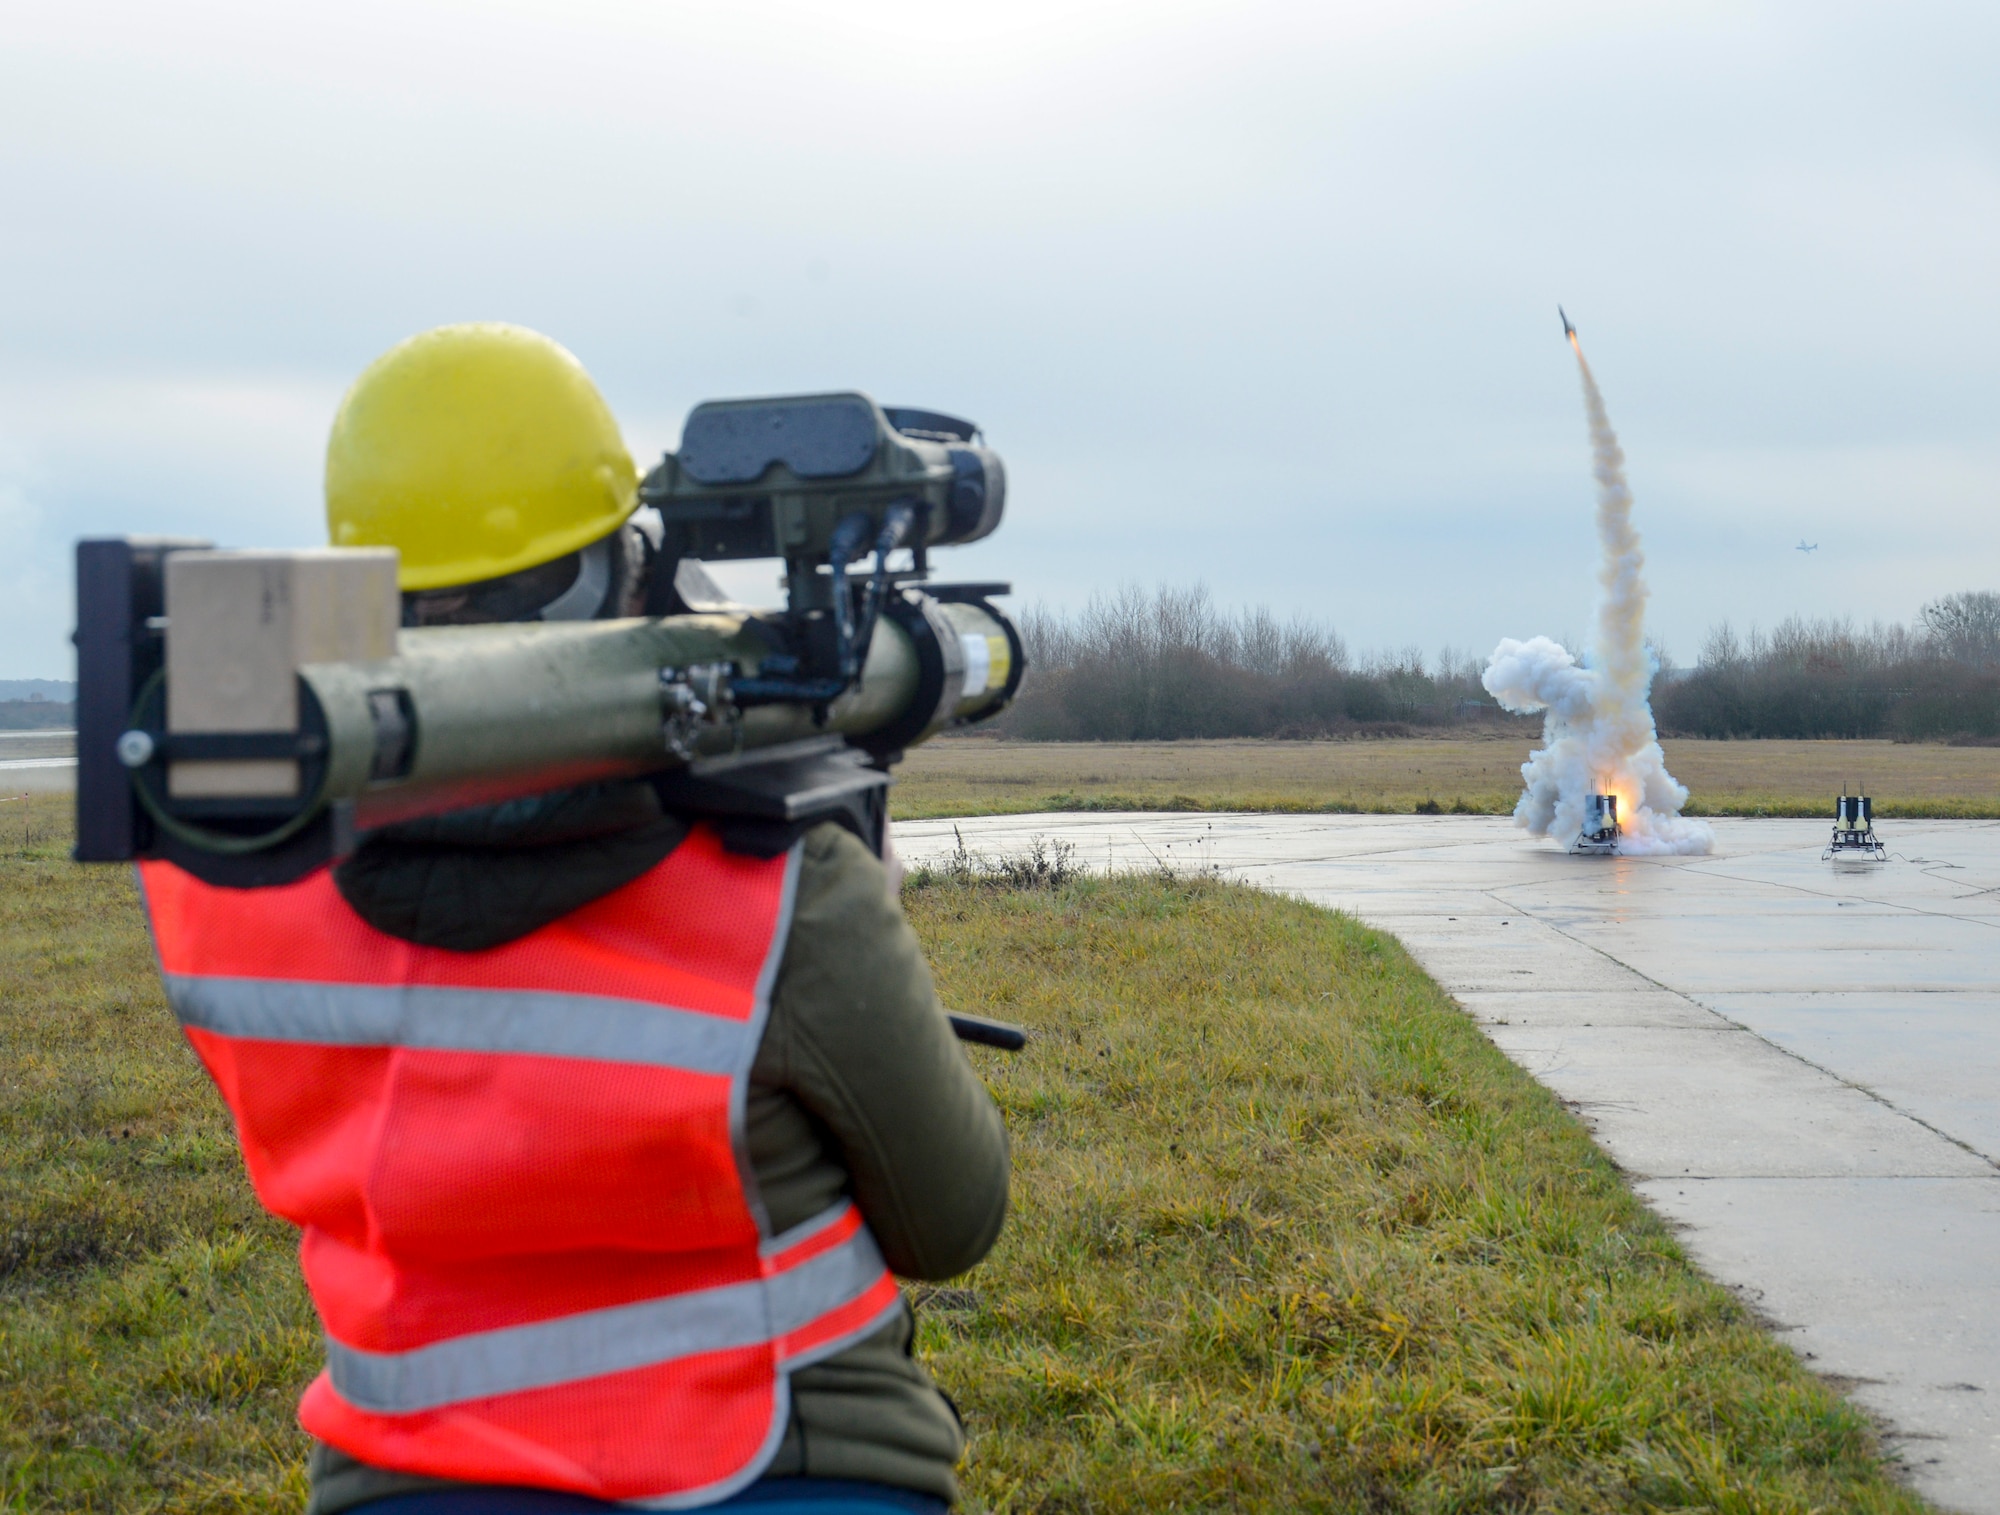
(611, 1341)
(462, 1020)
(528, 1218)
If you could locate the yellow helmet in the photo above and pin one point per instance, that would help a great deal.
(475, 450)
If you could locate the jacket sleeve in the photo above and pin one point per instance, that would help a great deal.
(856, 1035)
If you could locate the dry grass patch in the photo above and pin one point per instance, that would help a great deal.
(1478, 775)
(1290, 1234)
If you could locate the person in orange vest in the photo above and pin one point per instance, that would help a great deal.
(605, 1142)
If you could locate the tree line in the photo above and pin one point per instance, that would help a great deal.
(36, 715)
(1936, 679)
(1138, 666)
(1169, 663)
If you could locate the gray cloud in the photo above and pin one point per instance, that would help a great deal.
(1256, 293)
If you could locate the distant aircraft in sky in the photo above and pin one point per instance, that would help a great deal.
(1805, 546)
(1569, 331)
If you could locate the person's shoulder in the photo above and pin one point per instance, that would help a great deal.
(832, 845)
(842, 886)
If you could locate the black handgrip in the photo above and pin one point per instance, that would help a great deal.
(977, 1028)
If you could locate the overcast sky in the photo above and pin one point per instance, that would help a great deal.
(1256, 294)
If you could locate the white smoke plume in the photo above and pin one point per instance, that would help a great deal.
(1598, 732)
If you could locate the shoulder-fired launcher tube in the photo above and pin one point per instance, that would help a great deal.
(501, 711)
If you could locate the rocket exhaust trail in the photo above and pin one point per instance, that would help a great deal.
(1598, 731)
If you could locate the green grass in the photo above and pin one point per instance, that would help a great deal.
(153, 1333)
(1799, 807)
(1290, 1234)
(1287, 1234)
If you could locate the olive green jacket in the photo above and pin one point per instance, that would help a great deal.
(859, 1088)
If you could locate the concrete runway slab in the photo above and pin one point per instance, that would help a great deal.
(1797, 1061)
(37, 762)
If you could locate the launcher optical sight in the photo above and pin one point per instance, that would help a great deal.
(821, 481)
(776, 478)
(249, 714)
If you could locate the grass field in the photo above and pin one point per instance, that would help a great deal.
(1288, 1234)
(1479, 775)
(153, 1334)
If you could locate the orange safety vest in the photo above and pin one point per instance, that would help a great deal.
(529, 1221)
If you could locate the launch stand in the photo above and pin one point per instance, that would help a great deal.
(1854, 831)
(1599, 837)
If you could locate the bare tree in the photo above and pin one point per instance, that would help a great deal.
(1965, 628)
(1938, 678)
